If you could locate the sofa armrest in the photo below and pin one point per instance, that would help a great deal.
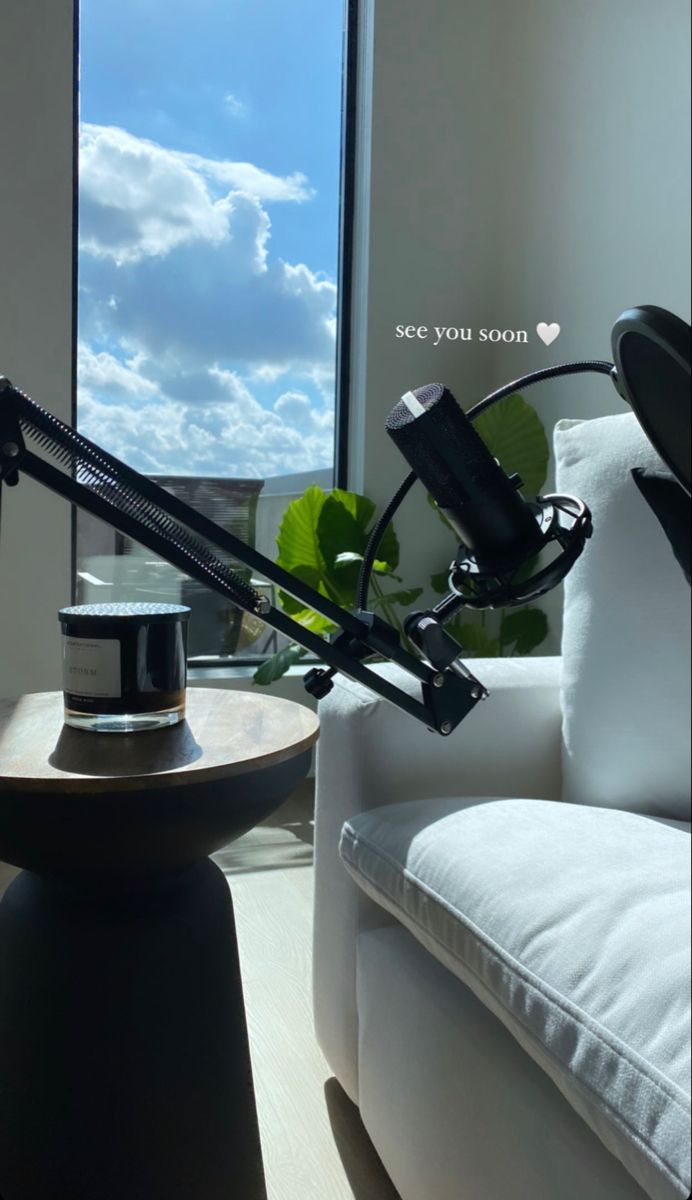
(370, 754)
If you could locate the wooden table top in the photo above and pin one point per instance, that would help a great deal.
(225, 733)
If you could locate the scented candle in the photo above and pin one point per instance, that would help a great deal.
(124, 666)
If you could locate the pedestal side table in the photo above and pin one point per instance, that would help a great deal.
(124, 1063)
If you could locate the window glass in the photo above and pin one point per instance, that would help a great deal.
(209, 149)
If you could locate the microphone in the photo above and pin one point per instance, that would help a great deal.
(499, 531)
(480, 502)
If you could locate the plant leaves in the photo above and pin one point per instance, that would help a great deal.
(360, 507)
(380, 568)
(405, 597)
(314, 621)
(363, 510)
(339, 531)
(343, 542)
(388, 551)
(347, 557)
(474, 639)
(322, 540)
(278, 664)
(525, 629)
(514, 434)
(297, 538)
(440, 583)
(291, 604)
(342, 528)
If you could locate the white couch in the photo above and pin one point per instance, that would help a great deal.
(502, 917)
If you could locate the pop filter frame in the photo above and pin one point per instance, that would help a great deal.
(651, 349)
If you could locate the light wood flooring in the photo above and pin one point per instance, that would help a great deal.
(314, 1144)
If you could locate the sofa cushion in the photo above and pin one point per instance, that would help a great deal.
(572, 925)
(626, 633)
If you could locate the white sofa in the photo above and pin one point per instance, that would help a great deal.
(502, 917)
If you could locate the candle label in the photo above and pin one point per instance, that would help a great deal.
(91, 667)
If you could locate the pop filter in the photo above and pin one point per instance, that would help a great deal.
(651, 348)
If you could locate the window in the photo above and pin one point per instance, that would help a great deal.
(209, 147)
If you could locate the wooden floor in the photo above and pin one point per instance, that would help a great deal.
(314, 1144)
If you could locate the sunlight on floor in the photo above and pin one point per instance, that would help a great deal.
(314, 1143)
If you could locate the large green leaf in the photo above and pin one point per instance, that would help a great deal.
(339, 531)
(360, 507)
(343, 528)
(524, 630)
(363, 510)
(440, 583)
(313, 620)
(347, 558)
(297, 539)
(278, 664)
(388, 551)
(308, 575)
(514, 434)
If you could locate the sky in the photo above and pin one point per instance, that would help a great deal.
(208, 199)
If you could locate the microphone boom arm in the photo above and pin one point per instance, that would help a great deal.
(107, 488)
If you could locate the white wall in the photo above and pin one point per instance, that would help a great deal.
(528, 162)
(35, 320)
(595, 133)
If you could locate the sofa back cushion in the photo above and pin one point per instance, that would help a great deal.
(626, 633)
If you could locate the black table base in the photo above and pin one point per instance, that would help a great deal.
(124, 1063)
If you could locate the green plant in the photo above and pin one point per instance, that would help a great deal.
(323, 537)
(322, 540)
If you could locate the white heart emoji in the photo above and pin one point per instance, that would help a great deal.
(548, 333)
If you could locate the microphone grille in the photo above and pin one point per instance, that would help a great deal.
(428, 396)
(443, 421)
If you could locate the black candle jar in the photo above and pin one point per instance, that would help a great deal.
(124, 666)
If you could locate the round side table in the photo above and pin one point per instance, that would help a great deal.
(124, 1063)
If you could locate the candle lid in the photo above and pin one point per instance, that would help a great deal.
(144, 613)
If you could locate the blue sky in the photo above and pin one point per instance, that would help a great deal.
(209, 167)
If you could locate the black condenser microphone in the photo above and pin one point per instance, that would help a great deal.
(482, 504)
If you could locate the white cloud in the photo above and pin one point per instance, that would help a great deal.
(150, 436)
(168, 269)
(323, 376)
(181, 289)
(105, 373)
(297, 410)
(225, 432)
(234, 106)
(244, 177)
(225, 301)
(166, 437)
(268, 372)
(138, 199)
